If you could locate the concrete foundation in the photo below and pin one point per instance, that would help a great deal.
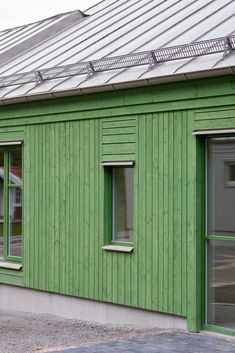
(22, 299)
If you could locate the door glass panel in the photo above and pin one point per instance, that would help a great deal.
(221, 283)
(15, 221)
(220, 218)
(221, 187)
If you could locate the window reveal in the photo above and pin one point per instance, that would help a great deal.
(122, 204)
(10, 203)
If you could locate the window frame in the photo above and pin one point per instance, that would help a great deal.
(6, 148)
(109, 216)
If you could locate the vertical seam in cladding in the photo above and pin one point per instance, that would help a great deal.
(152, 235)
(182, 204)
(147, 209)
(68, 183)
(43, 272)
(100, 214)
(167, 294)
(75, 204)
(54, 240)
(97, 215)
(169, 210)
(173, 220)
(39, 204)
(163, 207)
(82, 222)
(144, 209)
(158, 210)
(186, 216)
(70, 186)
(152, 177)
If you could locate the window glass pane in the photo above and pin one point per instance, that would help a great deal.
(15, 167)
(1, 185)
(1, 202)
(221, 283)
(15, 221)
(1, 240)
(221, 186)
(123, 204)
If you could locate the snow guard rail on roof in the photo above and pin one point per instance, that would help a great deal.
(151, 58)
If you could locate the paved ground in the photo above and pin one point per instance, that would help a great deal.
(34, 333)
(164, 342)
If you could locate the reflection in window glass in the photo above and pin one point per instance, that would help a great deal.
(123, 204)
(221, 186)
(1, 185)
(15, 167)
(221, 283)
(15, 222)
(231, 171)
(1, 203)
(1, 240)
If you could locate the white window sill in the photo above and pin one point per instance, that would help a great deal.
(119, 248)
(10, 266)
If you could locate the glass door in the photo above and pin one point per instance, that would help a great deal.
(220, 232)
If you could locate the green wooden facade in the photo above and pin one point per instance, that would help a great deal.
(65, 141)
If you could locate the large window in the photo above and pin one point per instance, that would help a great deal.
(10, 203)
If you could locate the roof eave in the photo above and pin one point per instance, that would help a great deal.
(122, 85)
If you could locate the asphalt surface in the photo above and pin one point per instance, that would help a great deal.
(164, 342)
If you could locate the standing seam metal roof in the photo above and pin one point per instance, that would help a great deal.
(117, 28)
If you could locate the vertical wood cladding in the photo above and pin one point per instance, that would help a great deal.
(65, 141)
(64, 203)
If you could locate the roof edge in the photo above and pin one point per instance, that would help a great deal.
(190, 76)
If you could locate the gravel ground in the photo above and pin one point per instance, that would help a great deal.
(29, 333)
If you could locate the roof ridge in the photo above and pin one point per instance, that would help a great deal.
(44, 34)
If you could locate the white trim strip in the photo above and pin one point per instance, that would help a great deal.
(10, 143)
(117, 163)
(10, 266)
(213, 132)
(118, 248)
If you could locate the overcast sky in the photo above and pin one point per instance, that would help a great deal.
(18, 12)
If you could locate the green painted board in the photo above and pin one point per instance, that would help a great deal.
(66, 222)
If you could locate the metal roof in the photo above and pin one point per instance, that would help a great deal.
(121, 43)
